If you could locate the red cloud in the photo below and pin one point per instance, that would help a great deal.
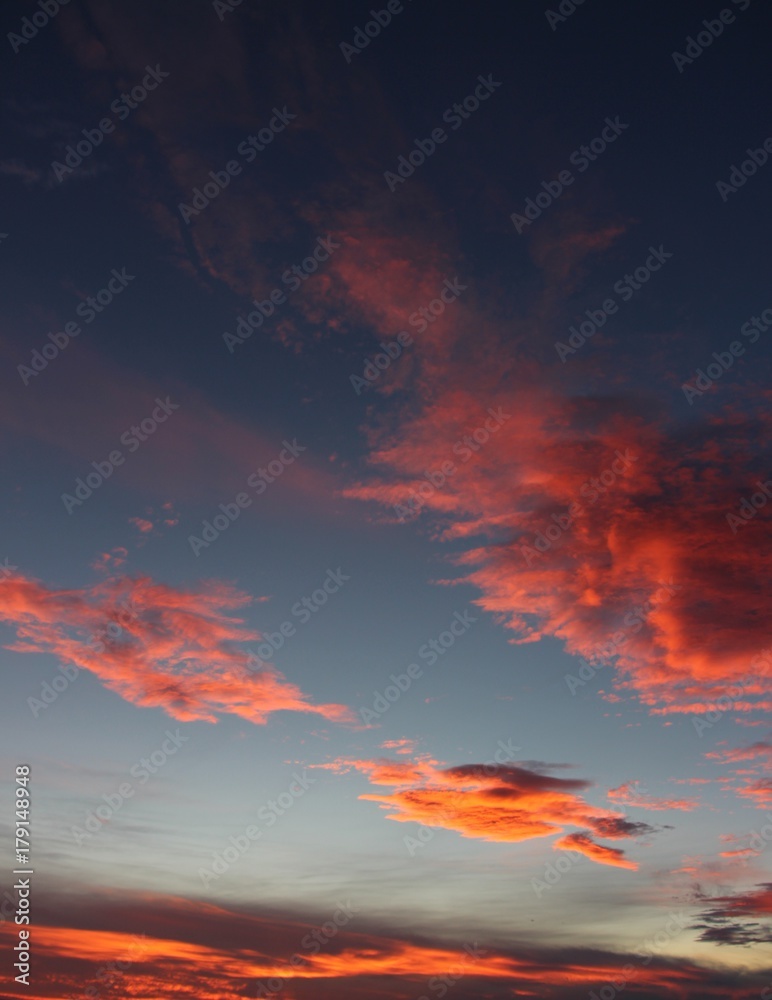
(578, 514)
(596, 852)
(504, 803)
(175, 650)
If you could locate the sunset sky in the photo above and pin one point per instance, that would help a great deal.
(385, 400)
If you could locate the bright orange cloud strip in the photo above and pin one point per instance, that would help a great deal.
(504, 803)
(167, 648)
(184, 948)
(583, 843)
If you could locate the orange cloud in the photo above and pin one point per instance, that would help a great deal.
(151, 946)
(595, 852)
(495, 802)
(177, 650)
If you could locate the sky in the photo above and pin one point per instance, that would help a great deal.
(385, 410)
